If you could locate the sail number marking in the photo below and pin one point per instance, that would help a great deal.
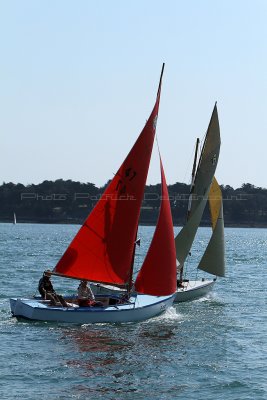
(121, 187)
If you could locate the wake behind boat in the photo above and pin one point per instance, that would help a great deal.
(103, 249)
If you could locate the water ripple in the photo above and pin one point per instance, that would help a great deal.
(211, 348)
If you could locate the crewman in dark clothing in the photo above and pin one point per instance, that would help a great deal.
(47, 291)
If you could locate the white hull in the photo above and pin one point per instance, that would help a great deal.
(193, 290)
(139, 308)
(98, 289)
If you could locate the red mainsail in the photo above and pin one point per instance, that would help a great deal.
(102, 250)
(157, 276)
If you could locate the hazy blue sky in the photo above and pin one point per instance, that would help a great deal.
(78, 80)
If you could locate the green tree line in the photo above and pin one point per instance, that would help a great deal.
(67, 201)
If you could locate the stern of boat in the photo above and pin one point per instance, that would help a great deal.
(193, 290)
(12, 305)
(19, 308)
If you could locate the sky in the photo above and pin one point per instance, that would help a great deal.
(78, 80)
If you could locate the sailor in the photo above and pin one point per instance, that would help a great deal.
(86, 296)
(47, 291)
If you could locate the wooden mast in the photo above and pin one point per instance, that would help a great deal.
(130, 281)
(193, 175)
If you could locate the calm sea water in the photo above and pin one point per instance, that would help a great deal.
(213, 348)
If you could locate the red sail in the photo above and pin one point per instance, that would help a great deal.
(157, 276)
(102, 250)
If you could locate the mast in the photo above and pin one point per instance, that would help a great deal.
(205, 141)
(193, 175)
(129, 285)
(160, 80)
(157, 276)
(103, 249)
(130, 281)
(192, 180)
(200, 188)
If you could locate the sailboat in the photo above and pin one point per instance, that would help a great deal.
(103, 249)
(14, 219)
(204, 187)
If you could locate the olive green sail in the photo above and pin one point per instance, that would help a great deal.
(200, 188)
(213, 259)
(185, 237)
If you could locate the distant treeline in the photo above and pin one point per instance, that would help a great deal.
(67, 201)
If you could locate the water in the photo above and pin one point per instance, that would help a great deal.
(213, 348)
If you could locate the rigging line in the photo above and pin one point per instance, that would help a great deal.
(157, 142)
(189, 163)
(185, 269)
(197, 274)
(201, 150)
(201, 144)
(137, 254)
(160, 80)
